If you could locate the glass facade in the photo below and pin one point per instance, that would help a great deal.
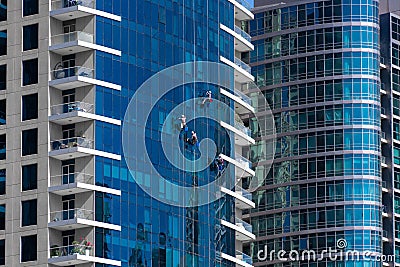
(317, 64)
(152, 36)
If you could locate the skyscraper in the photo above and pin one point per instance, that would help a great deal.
(317, 63)
(68, 70)
(390, 96)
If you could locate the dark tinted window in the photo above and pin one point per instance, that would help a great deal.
(3, 10)
(2, 252)
(3, 77)
(28, 248)
(2, 217)
(2, 147)
(2, 112)
(29, 212)
(30, 7)
(29, 107)
(30, 71)
(3, 43)
(29, 142)
(30, 37)
(2, 182)
(29, 177)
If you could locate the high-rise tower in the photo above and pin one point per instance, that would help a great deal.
(317, 63)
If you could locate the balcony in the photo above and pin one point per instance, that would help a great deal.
(243, 230)
(71, 9)
(70, 78)
(242, 133)
(242, 10)
(243, 103)
(242, 70)
(71, 43)
(68, 113)
(75, 77)
(75, 183)
(240, 259)
(243, 198)
(75, 255)
(384, 162)
(76, 219)
(242, 165)
(382, 63)
(242, 39)
(69, 148)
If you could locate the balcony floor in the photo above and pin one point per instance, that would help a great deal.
(68, 48)
(77, 259)
(70, 117)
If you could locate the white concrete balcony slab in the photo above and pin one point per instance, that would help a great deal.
(242, 133)
(76, 219)
(77, 147)
(242, 39)
(243, 198)
(73, 9)
(75, 77)
(242, 165)
(243, 103)
(243, 230)
(75, 183)
(242, 70)
(75, 255)
(240, 259)
(76, 42)
(242, 10)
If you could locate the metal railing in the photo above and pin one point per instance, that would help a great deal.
(242, 96)
(244, 193)
(56, 251)
(71, 72)
(242, 33)
(244, 257)
(70, 214)
(58, 4)
(383, 159)
(71, 142)
(382, 60)
(71, 37)
(383, 135)
(243, 161)
(385, 234)
(243, 65)
(71, 178)
(242, 128)
(71, 107)
(243, 224)
(383, 111)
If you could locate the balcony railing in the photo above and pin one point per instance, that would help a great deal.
(242, 96)
(243, 161)
(383, 111)
(71, 178)
(71, 37)
(384, 184)
(244, 257)
(242, 33)
(71, 72)
(242, 128)
(71, 142)
(64, 215)
(244, 193)
(71, 107)
(243, 224)
(383, 135)
(245, 4)
(383, 159)
(242, 65)
(56, 251)
(58, 4)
